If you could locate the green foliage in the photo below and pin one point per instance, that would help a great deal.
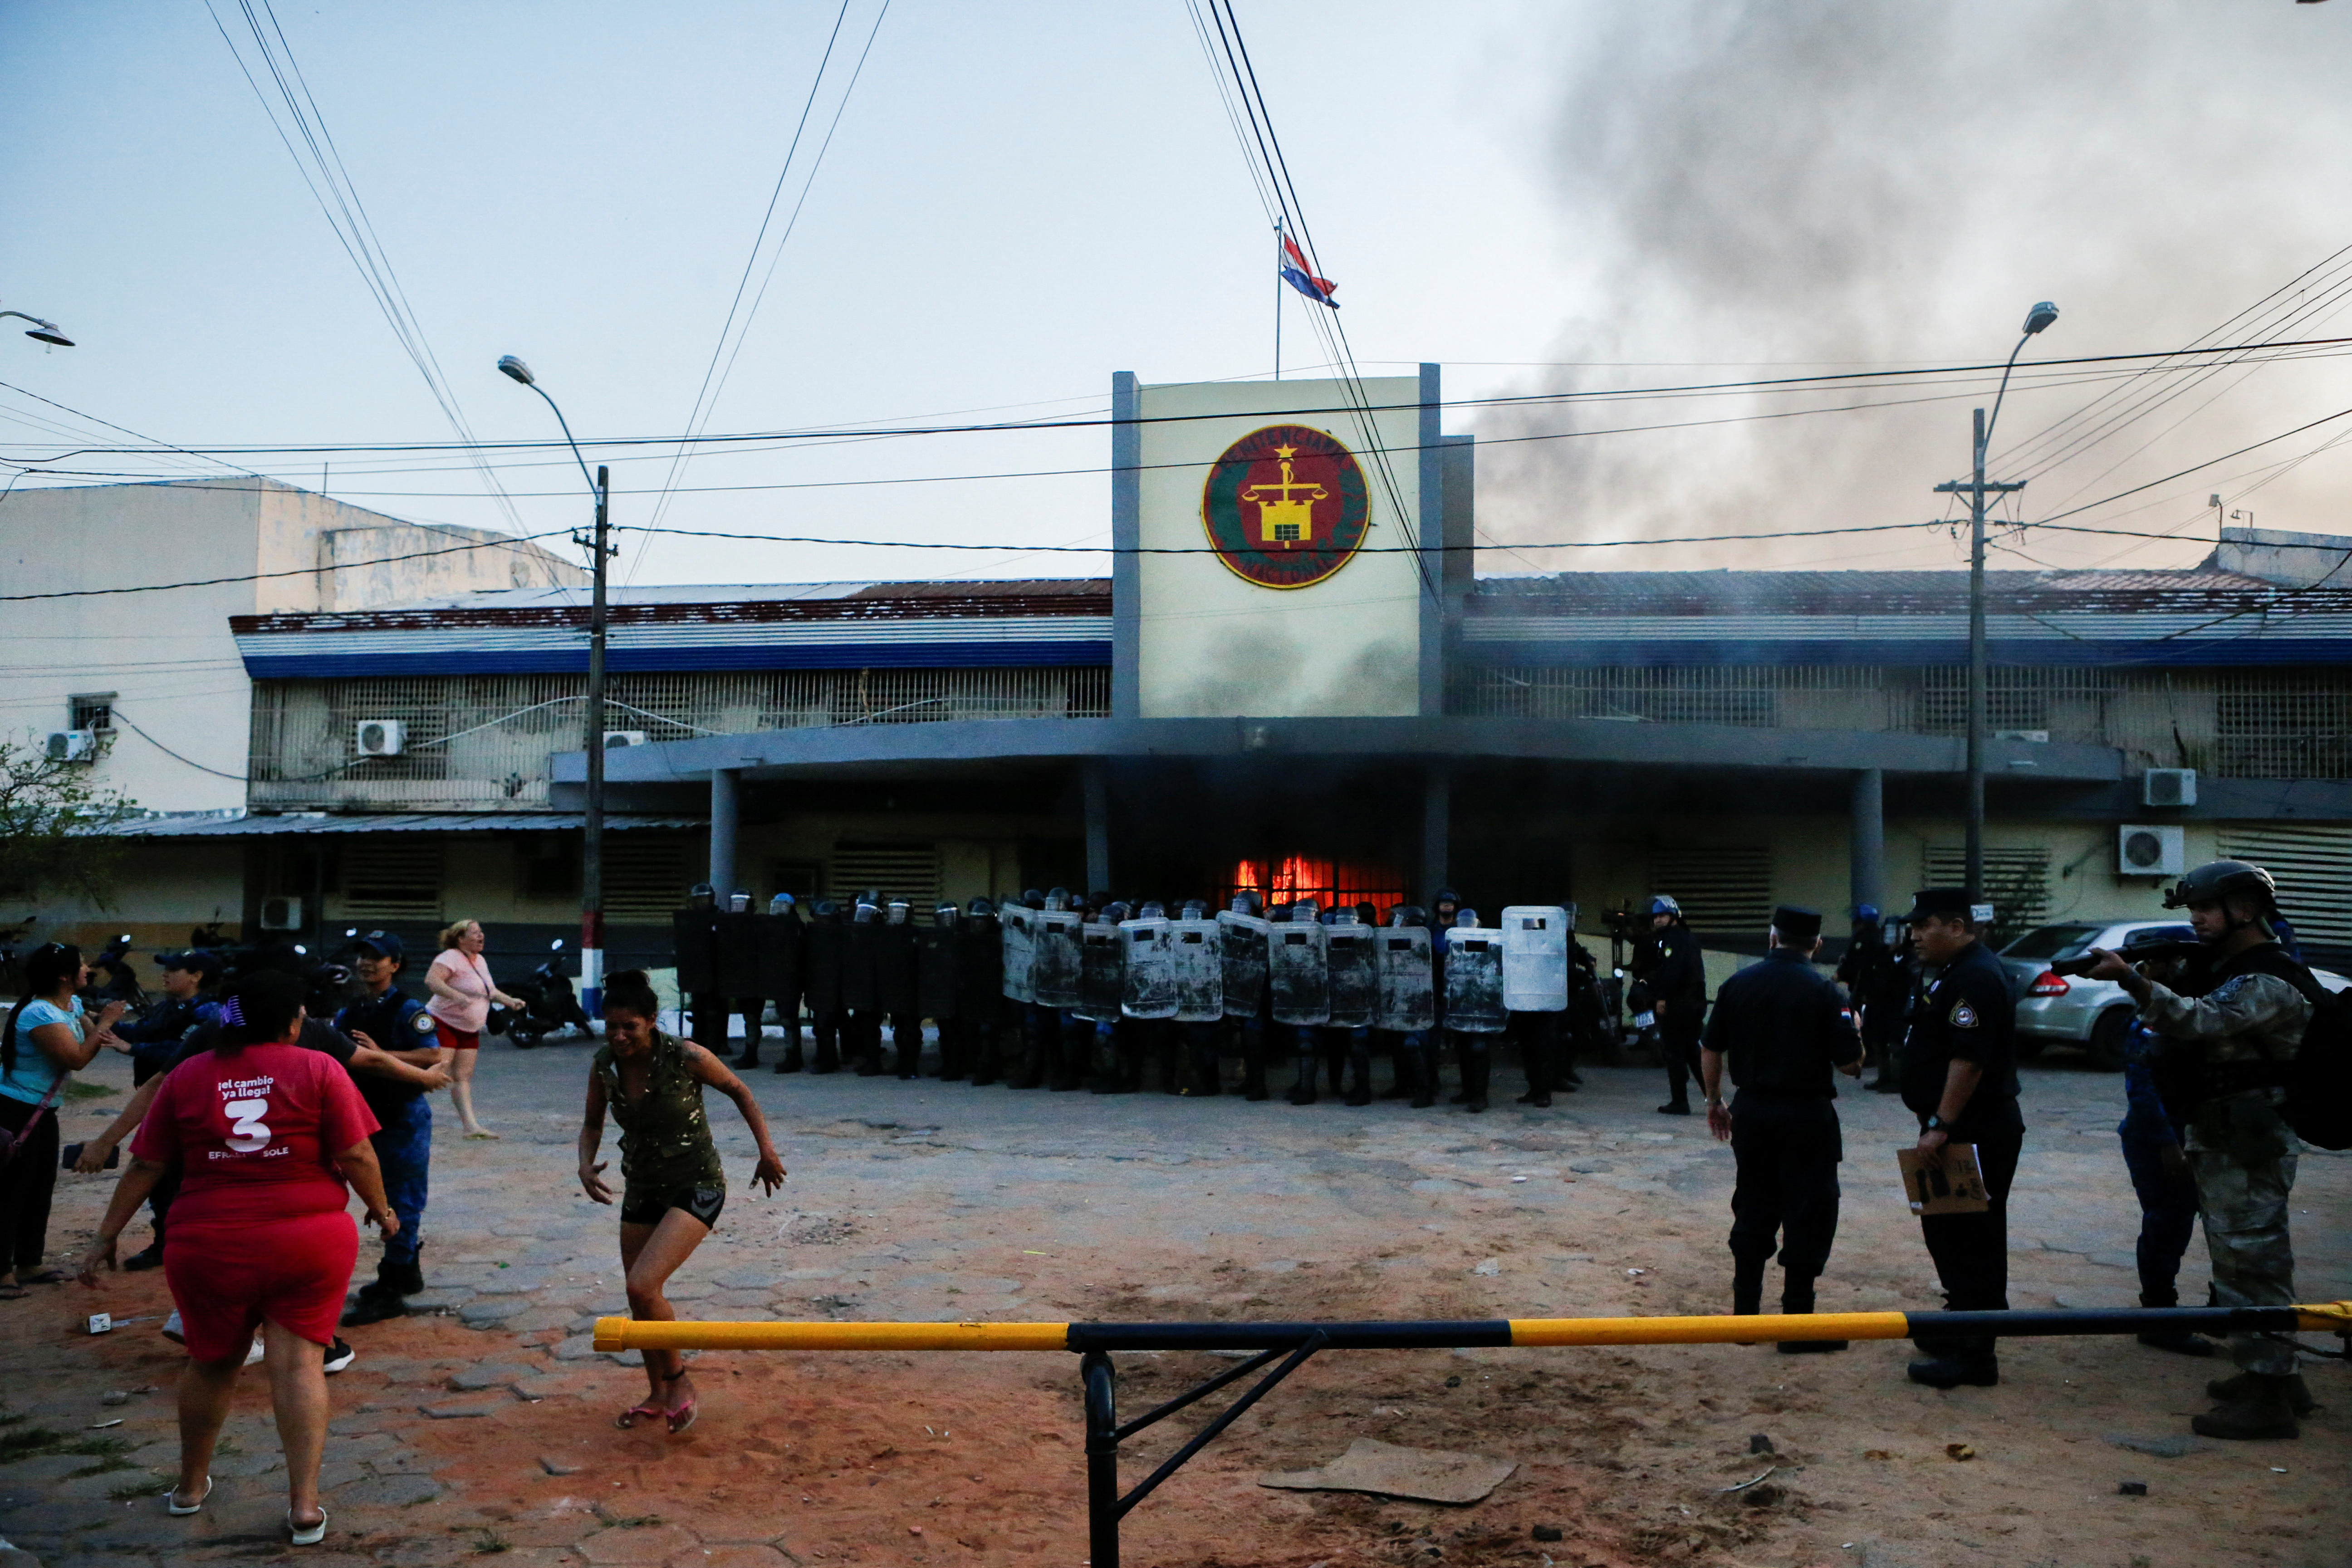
(46, 811)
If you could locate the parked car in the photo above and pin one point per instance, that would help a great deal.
(2056, 1009)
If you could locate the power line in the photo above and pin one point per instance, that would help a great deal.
(267, 576)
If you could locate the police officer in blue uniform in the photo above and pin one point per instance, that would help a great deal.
(1959, 1070)
(397, 1024)
(1779, 1028)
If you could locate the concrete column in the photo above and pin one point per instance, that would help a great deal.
(1095, 784)
(725, 816)
(1866, 854)
(1436, 825)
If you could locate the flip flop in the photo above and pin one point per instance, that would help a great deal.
(306, 1534)
(13, 1292)
(683, 1417)
(178, 1509)
(650, 1410)
(45, 1276)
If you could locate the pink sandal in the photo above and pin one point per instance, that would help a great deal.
(682, 1417)
(650, 1410)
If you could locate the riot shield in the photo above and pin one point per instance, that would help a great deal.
(821, 952)
(979, 969)
(693, 949)
(1241, 951)
(895, 966)
(937, 960)
(1535, 958)
(860, 969)
(1408, 997)
(778, 941)
(1102, 972)
(1473, 981)
(1056, 970)
(1018, 944)
(735, 945)
(1298, 974)
(1196, 961)
(1151, 968)
(1355, 982)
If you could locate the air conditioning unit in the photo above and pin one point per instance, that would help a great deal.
(281, 914)
(2158, 850)
(380, 737)
(73, 745)
(2038, 737)
(616, 739)
(2168, 786)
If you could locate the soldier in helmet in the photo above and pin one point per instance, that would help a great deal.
(1873, 984)
(2240, 1036)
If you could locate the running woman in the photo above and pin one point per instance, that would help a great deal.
(672, 1185)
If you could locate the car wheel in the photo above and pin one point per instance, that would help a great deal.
(2107, 1043)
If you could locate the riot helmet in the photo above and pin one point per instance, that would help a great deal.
(1113, 911)
(1153, 909)
(2217, 882)
(1465, 917)
(1865, 914)
(1057, 898)
(980, 909)
(1442, 906)
(1408, 915)
(900, 912)
(1306, 912)
(943, 914)
(1246, 903)
(739, 902)
(1196, 909)
(1663, 904)
(827, 910)
(701, 897)
(1345, 915)
(864, 914)
(782, 904)
(1368, 913)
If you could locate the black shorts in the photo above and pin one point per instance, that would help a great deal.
(646, 1206)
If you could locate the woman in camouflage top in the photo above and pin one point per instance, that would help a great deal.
(673, 1184)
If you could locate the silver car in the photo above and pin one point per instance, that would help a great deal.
(2056, 1009)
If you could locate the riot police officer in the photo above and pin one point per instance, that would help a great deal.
(1677, 979)
(980, 990)
(1958, 1069)
(1779, 1028)
(2236, 1041)
(781, 966)
(1873, 984)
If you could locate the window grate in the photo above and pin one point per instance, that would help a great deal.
(897, 870)
(1724, 889)
(394, 878)
(2308, 864)
(644, 877)
(2017, 882)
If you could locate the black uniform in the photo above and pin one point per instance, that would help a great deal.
(1964, 1013)
(1780, 1028)
(1678, 980)
(694, 935)
(823, 949)
(1874, 979)
(781, 937)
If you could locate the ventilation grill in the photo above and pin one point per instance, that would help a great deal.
(1720, 890)
(2017, 882)
(2308, 863)
(900, 870)
(394, 878)
(644, 877)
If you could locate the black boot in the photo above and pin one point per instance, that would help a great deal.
(1948, 1363)
(1797, 1300)
(2180, 1342)
(792, 1060)
(2264, 1407)
(1415, 1062)
(1302, 1087)
(2298, 1392)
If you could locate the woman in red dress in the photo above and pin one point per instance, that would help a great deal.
(265, 1134)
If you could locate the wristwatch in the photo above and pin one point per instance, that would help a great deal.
(1937, 1124)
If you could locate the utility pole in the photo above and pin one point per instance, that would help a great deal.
(1976, 487)
(591, 836)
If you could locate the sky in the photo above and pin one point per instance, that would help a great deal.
(1017, 200)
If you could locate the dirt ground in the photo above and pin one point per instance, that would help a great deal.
(455, 1443)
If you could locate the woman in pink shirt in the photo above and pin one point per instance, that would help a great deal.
(462, 994)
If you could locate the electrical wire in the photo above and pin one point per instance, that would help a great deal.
(267, 576)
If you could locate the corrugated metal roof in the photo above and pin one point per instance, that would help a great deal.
(209, 826)
(755, 592)
(548, 610)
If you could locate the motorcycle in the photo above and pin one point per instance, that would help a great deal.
(550, 1004)
(112, 979)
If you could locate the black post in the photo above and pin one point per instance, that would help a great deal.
(1102, 1460)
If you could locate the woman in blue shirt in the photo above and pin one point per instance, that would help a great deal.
(47, 1038)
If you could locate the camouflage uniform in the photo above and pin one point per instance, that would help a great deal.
(2238, 1146)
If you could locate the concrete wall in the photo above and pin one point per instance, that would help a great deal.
(181, 696)
(1213, 645)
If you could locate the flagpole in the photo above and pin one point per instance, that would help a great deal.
(1279, 259)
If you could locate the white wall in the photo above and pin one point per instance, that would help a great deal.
(1211, 643)
(168, 654)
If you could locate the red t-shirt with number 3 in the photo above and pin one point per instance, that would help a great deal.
(255, 1134)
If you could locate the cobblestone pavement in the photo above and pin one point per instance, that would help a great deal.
(932, 1201)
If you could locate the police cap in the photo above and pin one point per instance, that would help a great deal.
(1797, 925)
(1938, 903)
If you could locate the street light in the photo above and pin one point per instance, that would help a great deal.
(1976, 488)
(43, 332)
(592, 839)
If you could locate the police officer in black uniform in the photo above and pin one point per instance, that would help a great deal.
(1779, 1027)
(1959, 1070)
(1678, 988)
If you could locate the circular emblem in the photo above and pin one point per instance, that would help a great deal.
(1286, 506)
